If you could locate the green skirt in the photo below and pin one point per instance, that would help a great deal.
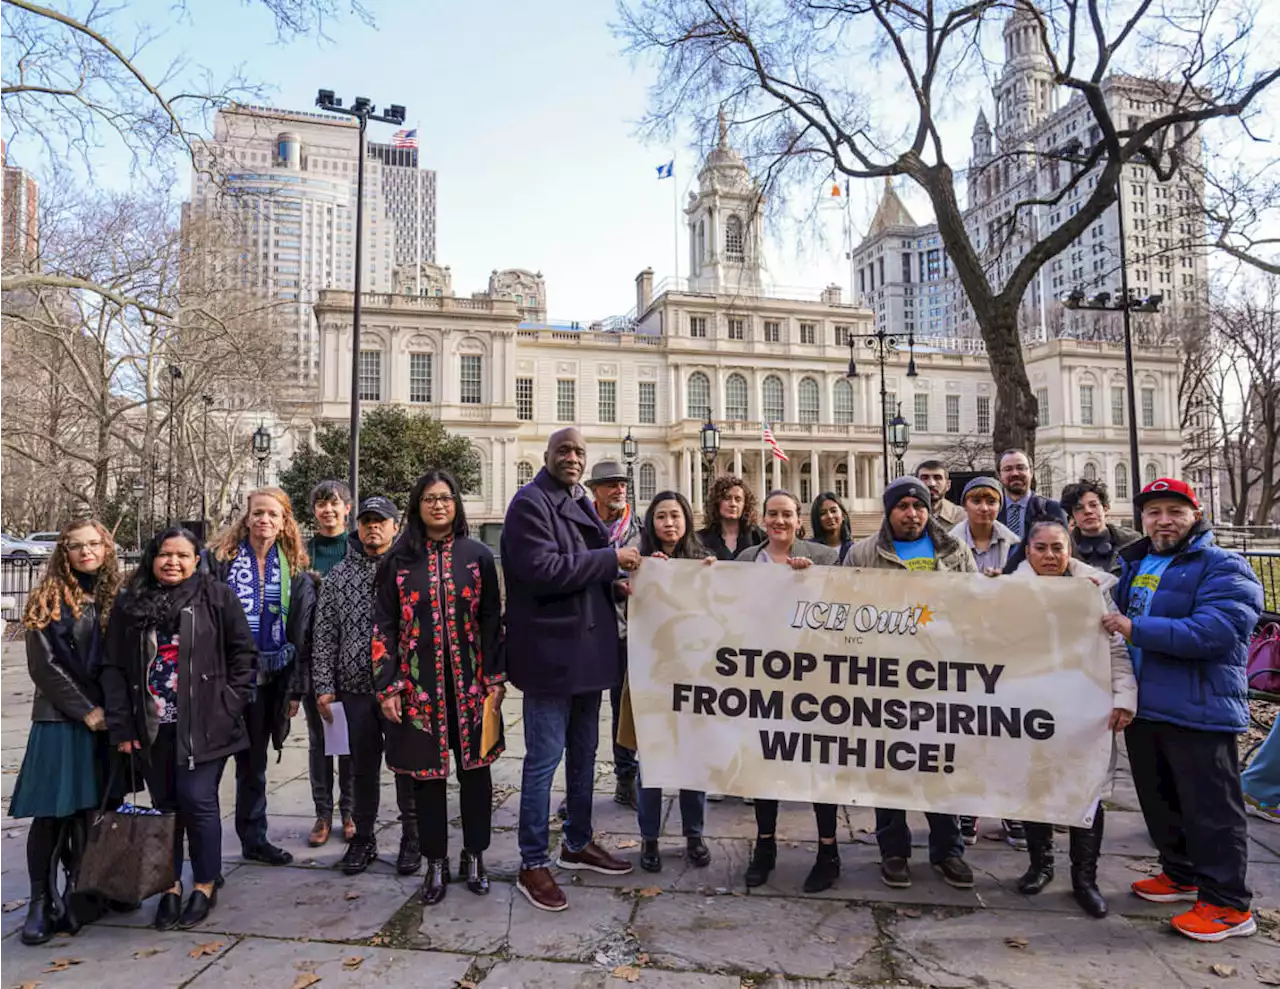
(61, 771)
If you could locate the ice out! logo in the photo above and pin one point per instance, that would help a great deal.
(835, 616)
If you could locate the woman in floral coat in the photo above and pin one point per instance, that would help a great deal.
(437, 619)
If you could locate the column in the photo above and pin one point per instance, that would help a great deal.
(815, 476)
(764, 475)
(684, 484)
(696, 498)
(737, 462)
(851, 466)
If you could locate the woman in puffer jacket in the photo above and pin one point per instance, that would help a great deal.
(1048, 547)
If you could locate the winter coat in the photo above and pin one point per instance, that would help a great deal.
(216, 658)
(1118, 537)
(1124, 686)
(560, 571)
(63, 659)
(341, 642)
(437, 614)
(748, 536)
(1035, 509)
(876, 552)
(949, 513)
(1195, 636)
(1002, 537)
(821, 555)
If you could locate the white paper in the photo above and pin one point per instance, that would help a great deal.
(336, 740)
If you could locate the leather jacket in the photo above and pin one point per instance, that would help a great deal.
(60, 694)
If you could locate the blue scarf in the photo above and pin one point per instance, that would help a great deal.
(267, 600)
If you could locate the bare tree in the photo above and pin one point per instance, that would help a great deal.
(972, 451)
(784, 71)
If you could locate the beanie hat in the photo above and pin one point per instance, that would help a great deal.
(906, 487)
(982, 482)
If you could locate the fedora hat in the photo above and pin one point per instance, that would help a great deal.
(606, 470)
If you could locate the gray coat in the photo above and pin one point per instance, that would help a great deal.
(823, 556)
(877, 553)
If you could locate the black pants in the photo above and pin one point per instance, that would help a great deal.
(431, 801)
(767, 818)
(625, 764)
(365, 726)
(251, 763)
(1188, 784)
(320, 768)
(191, 794)
(894, 836)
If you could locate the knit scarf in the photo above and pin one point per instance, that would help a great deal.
(618, 527)
(265, 603)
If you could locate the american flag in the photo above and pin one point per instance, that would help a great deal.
(773, 444)
(405, 138)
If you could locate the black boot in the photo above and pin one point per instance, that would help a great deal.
(1086, 844)
(650, 857)
(763, 858)
(826, 869)
(410, 857)
(436, 883)
(474, 873)
(38, 927)
(624, 791)
(1040, 847)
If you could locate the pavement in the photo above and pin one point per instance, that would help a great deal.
(684, 928)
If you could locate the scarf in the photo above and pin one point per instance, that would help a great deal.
(265, 603)
(619, 527)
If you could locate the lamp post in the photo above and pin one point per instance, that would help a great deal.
(899, 439)
(709, 439)
(139, 489)
(882, 344)
(630, 451)
(363, 110)
(175, 374)
(262, 451)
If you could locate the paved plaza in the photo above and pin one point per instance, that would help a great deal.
(684, 928)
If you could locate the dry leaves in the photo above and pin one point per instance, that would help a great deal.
(208, 948)
(305, 979)
(351, 894)
(1267, 975)
(650, 891)
(1223, 971)
(628, 843)
(352, 962)
(628, 972)
(13, 905)
(27, 985)
(908, 912)
(1146, 868)
(378, 939)
(1016, 942)
(62, 964)
(147, 952)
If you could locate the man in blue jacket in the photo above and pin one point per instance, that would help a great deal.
(561, 576)
(1187, 608)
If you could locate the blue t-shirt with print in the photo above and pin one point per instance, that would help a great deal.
(917, 554)
(1142, 589)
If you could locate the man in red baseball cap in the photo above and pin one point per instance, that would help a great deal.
(1187, 608)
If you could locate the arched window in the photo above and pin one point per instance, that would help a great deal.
(1045, 475)
(1090, 471)
(1122, 481)
(806, 483)
(1150, 474)
(842, 480)
(648, 486)
(735, 398)
(524, 473)
(842, 402)
(808, 401)
(774, 407)
(697, 396)
(702, 242)
(733, 239)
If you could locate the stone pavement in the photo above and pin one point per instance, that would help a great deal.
(684, 928)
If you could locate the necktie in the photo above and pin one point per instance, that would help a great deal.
(1015, 517)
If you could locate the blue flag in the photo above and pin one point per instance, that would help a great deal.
(665, 171)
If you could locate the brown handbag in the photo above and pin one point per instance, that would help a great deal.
(129, 853)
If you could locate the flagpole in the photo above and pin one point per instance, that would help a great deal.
(675, 225)
(417, 181)
(764, 467)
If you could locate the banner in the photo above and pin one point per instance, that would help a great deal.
(934, 692)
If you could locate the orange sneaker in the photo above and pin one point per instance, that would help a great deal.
(1162, 889)
(1206, 922)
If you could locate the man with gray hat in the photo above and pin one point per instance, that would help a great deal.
(608, 486)
(911, 539)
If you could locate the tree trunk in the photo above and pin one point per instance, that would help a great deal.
(1015, 425)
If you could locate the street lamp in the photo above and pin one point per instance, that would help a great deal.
(883, 344)
(363, 110)
(175, 374)
(899, 438)
(630, 451)
(710, 441)
(262, 450)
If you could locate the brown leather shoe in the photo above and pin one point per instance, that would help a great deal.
(595, 858)
(540, 889)
(348, 829)
(319, 833)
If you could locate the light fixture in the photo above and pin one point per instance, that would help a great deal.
(630, 448)
(710, 437)
(853, 364)
(262, 442)
(899, 434)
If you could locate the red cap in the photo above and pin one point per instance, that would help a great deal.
(1167, 487)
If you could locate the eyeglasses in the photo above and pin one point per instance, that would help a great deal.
(79, 547)
(437, 499)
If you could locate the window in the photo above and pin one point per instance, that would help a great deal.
(648, 402)
(1148, 408)
(524, 399)
(774, 407)
(371, 375)
(984, 415)
(697, 396)
(890, 405)
(1045, 474)
(469, 380)
(842, 336)
(608, 401)
(419, 377)
(1117, 406)
(842, 402)
(842, 480)
(1086, 405)
(1122, 481)
(698, 326)
(921, 424)
(566, 400)
(735, 398)
(772, 331)
(1042, 406)
(1090, 471)
(733, 239)
(524, 473)
(648, 483)
(953, 413)
(808, 395)
(737, 328)
(1150, 474)
(808, 332)
(806, 482)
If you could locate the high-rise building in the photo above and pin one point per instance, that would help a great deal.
(901, 270)
(21, 248)
(278, 187)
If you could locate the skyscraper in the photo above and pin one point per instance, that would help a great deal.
(21, 216)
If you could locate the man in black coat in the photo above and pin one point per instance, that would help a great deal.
(1022, 507)
(562, 581)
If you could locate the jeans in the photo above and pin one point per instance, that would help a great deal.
(555, 727)
(251, 764)
(364, 729)
(693, 812)
(894, 837)
(320, 767)
(1261, 780)
(192, 795)
(625, 764)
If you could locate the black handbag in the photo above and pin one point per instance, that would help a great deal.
(129, 852)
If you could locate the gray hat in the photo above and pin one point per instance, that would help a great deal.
(906, 487)
(377, 505)
(982, 482)
(605, 470)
